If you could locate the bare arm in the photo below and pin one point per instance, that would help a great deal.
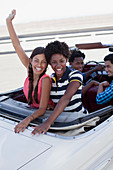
(101, 86)
(86, 87)
(45, 94)
(63, 102)
(15, 41)
(97, 68)
(105, 92)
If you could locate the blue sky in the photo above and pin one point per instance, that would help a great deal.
(36, 10)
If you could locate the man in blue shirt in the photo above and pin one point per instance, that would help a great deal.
(104, 96)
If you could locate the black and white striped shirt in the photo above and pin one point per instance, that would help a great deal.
(58, 89)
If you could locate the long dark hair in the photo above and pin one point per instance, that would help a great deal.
(36, 51)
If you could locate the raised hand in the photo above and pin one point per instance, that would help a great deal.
(11, 15)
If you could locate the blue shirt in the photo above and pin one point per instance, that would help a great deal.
(106, 95)
(84, 76)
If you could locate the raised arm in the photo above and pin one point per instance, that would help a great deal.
(97, 68)
(15, 41)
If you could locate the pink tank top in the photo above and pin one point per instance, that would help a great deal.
(26, 89)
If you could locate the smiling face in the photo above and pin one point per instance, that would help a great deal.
(78, 63)
(109, 68)
(39, 64)
(58, 64)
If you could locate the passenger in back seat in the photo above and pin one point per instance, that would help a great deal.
(105, 90)
(76, 61)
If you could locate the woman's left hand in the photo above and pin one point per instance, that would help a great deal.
(43, 128)
(11, 15)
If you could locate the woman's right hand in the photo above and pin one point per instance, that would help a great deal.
(23, 124)
(11, 15)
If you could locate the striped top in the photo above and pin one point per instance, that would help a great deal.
(83, 74)
(106, 95)
(58, 89)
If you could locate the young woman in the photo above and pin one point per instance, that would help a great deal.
(37, 85)
(66, 85)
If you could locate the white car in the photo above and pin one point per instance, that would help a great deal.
(78, 143)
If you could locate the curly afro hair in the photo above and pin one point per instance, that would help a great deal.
(57, 47)
(76, 54)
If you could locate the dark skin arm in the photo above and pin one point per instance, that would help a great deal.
(90, 84)
(97, 68)
(63, 102)
(102, 86)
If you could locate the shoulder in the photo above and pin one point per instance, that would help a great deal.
(46, 82)
(75, 73)
(76, 76)
(45, 78)
(26, 80)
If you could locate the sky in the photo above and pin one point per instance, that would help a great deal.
(38, 10)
